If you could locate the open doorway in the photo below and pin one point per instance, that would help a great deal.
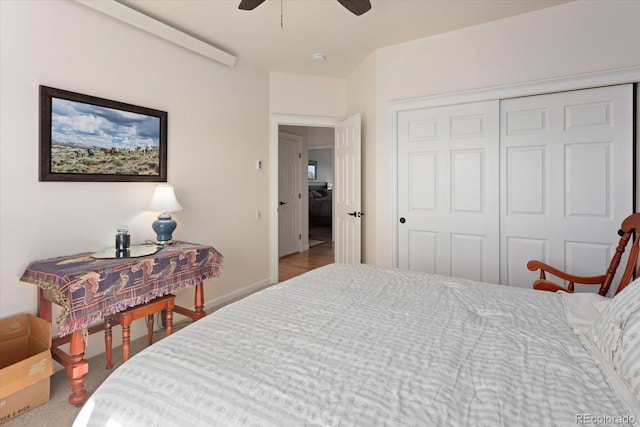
(320, 178)
(309, 172)
(346, 219)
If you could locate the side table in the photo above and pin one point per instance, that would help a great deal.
(89, 289)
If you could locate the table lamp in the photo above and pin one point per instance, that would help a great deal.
(164, 200)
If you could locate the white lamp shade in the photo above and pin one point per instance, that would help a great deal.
(164, 200)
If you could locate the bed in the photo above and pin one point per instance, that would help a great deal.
(358, 345)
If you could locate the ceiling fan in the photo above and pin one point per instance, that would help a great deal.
(357, 7)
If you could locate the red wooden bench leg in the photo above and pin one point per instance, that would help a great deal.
(150, 329)
(108, 341)
(126, 340)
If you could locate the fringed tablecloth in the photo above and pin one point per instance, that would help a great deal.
(89, 289)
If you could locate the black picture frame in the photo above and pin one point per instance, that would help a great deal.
(312, 170)
(86, 138)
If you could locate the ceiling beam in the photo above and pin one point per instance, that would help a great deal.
(139, 20)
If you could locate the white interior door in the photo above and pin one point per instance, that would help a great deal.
(448, 190)
(289, 176)
(567, 167)
(348, 215)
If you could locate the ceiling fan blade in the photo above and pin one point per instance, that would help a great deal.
(357, 7)
(249, 4)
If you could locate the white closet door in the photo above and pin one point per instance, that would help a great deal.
(448, 190)
(289, 148)
(567, 180)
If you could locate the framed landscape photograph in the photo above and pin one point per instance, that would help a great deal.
(85, 138)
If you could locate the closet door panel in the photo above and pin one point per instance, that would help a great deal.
(467, 179)
(467, 256)
(567, 163)
(423, 181)
(423, 249)
(525, 180)
(448, 192)
(588, 180)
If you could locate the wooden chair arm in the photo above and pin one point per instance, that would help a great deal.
(545, 285)
(546, 268)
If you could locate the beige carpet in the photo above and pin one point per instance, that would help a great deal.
(58, 412)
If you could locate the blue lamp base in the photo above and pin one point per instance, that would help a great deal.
(164, 227)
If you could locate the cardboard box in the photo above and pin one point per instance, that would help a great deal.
(25, 364)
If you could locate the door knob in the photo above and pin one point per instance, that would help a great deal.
(354, 213)
(402, 220)
(282, 203)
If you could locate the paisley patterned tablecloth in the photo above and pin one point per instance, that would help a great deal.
(89, 289)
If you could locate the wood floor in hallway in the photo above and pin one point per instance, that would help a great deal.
(301, 262)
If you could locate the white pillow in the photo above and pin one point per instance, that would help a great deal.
(583, 309)
(617, 335)
(607, 331)
(626, 358)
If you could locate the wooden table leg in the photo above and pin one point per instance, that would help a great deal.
(126, 338)
(150, 329)
(168, 316)
(74, 362)
(78, 369)
(108, 341)
(44, 306)
(199, 312)
(199, 302)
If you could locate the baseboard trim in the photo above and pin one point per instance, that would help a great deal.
(223, 300)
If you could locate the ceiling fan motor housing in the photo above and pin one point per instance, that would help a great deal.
(357, 7)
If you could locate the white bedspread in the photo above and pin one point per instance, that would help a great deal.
(356, 345)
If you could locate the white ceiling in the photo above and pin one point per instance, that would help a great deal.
(323, 26)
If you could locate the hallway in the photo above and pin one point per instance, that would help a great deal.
(301, 262)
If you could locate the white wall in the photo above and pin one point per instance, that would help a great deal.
(304, 95)
(218, 124)
(570, 39)
(321, 137)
